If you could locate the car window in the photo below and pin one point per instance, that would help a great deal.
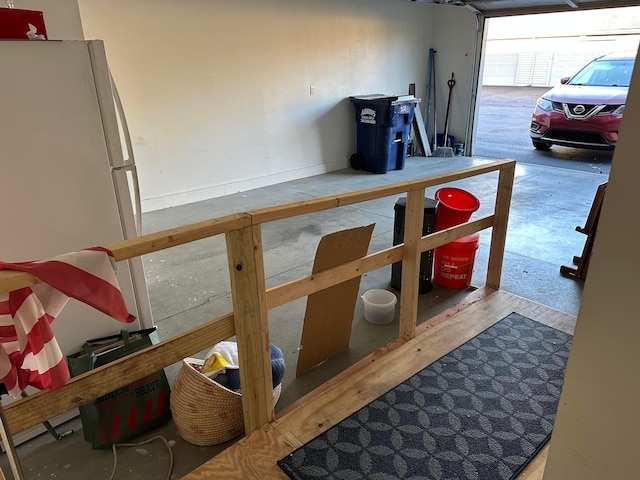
(605, 73)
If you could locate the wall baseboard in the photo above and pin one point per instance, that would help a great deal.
(182, 198)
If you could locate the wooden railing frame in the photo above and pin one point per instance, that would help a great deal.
(252, 300)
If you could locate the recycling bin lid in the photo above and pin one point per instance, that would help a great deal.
(380, 97)
(373, 97)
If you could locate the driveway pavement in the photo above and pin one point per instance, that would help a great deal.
(503, 132)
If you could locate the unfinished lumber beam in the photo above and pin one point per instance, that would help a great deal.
(499, 233)
(246, 269)
(411, 255)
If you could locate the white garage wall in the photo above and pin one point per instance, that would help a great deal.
(218, 94)
(454, 37)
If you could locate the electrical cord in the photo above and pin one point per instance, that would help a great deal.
(158, 437)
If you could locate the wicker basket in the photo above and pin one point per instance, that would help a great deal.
(205, 412)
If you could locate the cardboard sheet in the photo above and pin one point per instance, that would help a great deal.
(327, 322)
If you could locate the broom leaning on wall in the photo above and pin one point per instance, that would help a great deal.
(446, 150)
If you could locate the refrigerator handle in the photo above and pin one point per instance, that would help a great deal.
(123, 123)
(136, 196)
(136, 193)
(129, 162)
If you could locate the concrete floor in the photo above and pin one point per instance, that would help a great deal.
(189, 285)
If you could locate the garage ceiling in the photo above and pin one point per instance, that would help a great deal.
(501, 8)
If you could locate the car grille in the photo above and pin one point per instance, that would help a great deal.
(575, 136)
(604, 109)
(609, 108)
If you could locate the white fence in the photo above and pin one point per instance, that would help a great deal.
(543, 62)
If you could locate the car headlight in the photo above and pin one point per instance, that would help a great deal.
(618, 111)
(544, 104)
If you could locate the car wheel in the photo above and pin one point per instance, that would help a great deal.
(356, 161)
(541, 145)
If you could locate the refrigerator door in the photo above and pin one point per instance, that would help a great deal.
(60, 194)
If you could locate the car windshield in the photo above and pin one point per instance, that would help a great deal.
(605, 73)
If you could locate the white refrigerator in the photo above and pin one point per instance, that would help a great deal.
(68, 171)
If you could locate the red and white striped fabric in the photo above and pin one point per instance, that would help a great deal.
(29, 352)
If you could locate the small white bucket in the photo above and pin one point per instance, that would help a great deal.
(379, 306)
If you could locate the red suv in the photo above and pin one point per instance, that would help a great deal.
(586, 109)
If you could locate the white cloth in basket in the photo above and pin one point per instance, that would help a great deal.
(229, 376)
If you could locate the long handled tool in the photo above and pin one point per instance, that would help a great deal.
(445, 150)
(434, 150)
(450, 83)
(427, 119)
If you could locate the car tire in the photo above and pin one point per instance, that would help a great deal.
(541, 145)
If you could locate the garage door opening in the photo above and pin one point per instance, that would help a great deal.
(524, 56)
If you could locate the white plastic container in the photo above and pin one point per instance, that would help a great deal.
(379, 306)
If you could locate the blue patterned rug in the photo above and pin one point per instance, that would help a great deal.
(481, 412)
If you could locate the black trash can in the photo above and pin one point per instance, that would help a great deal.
(426, 258)
(383, 124)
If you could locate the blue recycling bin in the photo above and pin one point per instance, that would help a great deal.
(383, 123)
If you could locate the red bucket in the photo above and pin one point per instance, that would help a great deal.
(455, 206)
(453, 262)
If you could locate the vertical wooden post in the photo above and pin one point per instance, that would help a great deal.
(246, 269)
(499, 233)
(413, 218)
(9, 446)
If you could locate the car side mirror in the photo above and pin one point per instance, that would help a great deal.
(564, 80)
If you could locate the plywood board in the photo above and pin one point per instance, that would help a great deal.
(329, 314)
(252, 457)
